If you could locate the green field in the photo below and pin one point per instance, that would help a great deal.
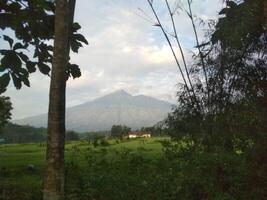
(17, 181)
(139, 169)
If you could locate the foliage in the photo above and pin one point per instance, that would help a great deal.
(157, 130)
(92, 135)
(119, 131)
(220, 119)
(19, 134)
(72, 136)
(5, 111)
(32, 24)
(178, 170)
(233, 105)
(13, 133)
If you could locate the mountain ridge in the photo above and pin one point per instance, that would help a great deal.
(100, 114)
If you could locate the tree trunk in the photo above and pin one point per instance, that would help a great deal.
(265, 14)
(53, 188)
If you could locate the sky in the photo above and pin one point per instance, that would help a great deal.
(125, 51)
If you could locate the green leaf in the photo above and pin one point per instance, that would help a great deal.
(31, 66)
(75, 27)
(4, 81)
(73, 70)
(16, 81)
(14, 7)
(19, 46)
(11, 60)
(23, 57)
(81, 38)
(9, 40)
(25, 80)
(223, 11)
(231, 4)
(45, 69)
(2, 68)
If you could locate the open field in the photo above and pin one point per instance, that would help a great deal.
(139, 169)
(17, 180)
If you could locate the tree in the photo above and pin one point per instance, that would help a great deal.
(54, 171)
(72, 136)
(13, 133)
(32, 24)
(5, 111)
(226, 82)
(118, 131)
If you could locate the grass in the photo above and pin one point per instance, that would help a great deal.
(138, 169)
(15, 178)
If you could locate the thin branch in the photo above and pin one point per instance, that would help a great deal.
(198, 47)
(171, 47)
(181, 51)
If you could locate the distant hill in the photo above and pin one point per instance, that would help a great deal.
(119, 107)
(13, 133)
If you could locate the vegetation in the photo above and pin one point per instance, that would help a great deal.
(133, 169)
(217, 145)
(5, 111)
(13, 133)
(92, 135)
(118, 131)
(156, 130)
(72, 136)
(221, 108)
(32, 24)
(18, 134)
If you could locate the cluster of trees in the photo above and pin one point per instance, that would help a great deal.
(221, 108)
(232, 101)
(13, 133)
(72, 136)
(118, 131)
(5, 111)
(92, 135)
(223, 94)
(158, 129)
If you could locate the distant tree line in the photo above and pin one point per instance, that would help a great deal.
(118, 131)
(13, 133)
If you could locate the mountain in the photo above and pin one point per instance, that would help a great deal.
(100, 114)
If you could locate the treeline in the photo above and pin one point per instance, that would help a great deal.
(13, 133)
(119, 131)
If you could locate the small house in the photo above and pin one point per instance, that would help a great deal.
(138, 134)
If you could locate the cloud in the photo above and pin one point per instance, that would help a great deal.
(124, 52)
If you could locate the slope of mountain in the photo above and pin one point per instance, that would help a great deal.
(119, 107)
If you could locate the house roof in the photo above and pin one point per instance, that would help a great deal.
(138, 133)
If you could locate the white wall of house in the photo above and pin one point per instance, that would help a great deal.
(132, 136)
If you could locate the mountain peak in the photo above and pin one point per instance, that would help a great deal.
(121, 92)
(119, 107)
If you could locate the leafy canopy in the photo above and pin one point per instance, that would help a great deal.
(32, 24)
(5, 111)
